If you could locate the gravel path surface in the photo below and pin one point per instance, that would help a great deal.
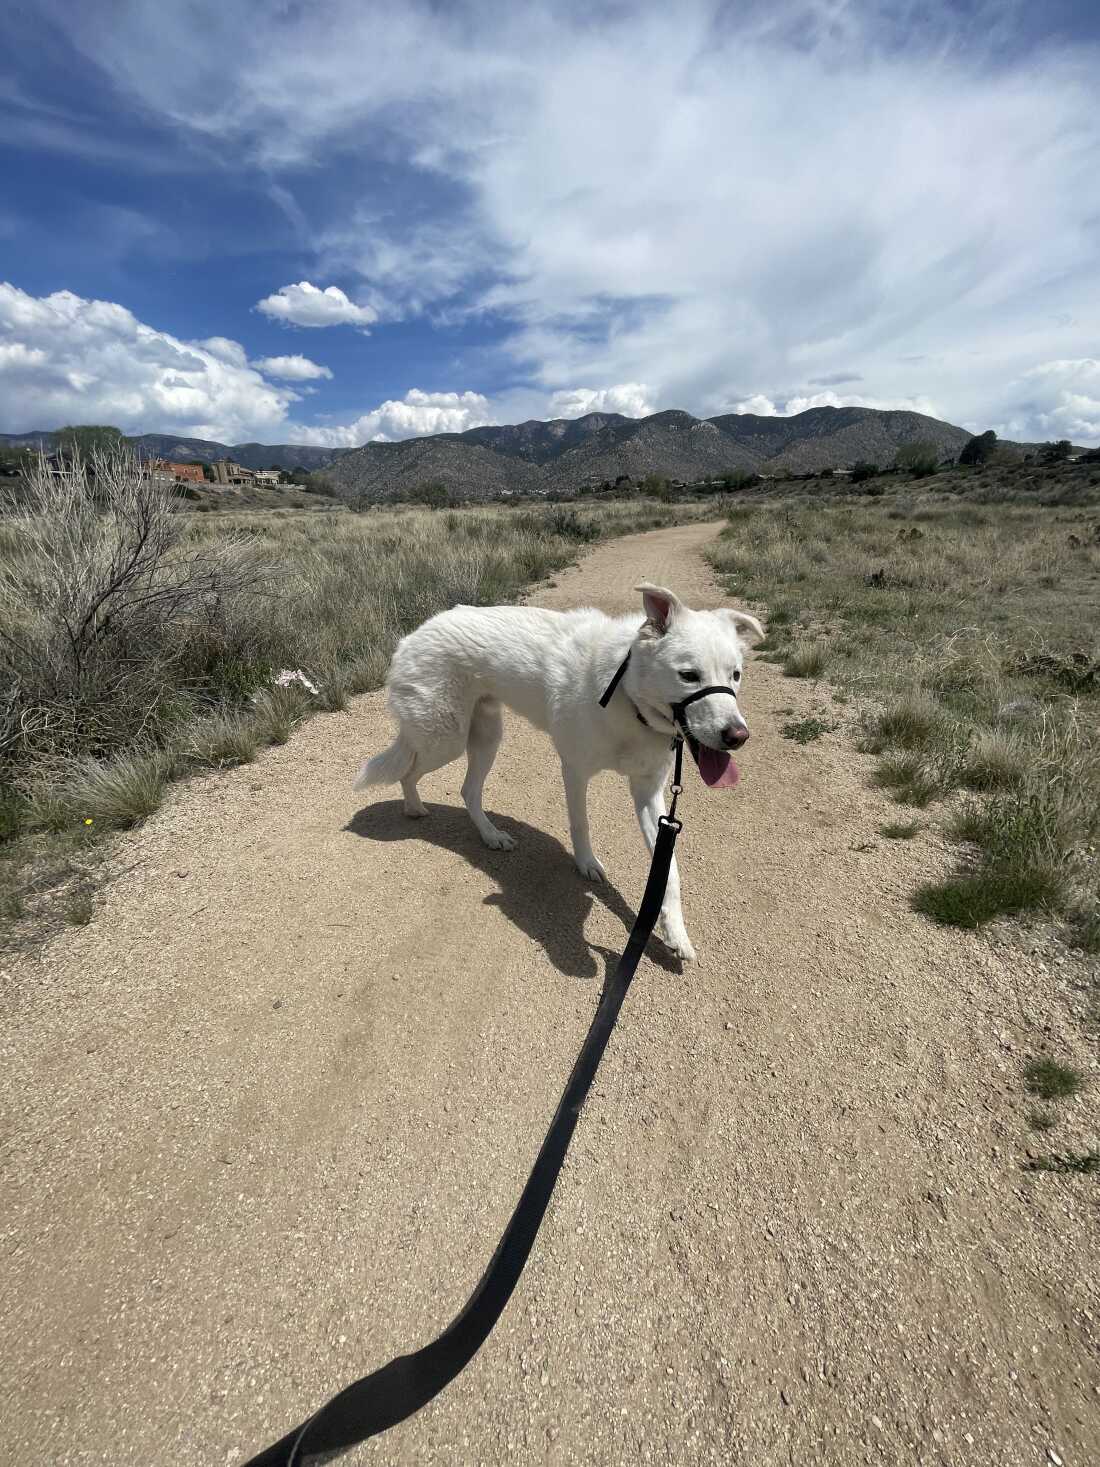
(267, 1115)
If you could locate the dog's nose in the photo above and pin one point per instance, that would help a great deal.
(734, 735)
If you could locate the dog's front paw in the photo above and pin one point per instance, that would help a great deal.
(496, 840)
(591, 869)
(675, 938)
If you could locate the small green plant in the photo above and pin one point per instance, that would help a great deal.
(12, 905)
(97, 795)
(335, 689)
(807, 660)
(973, 899)
(1081, 1163)
(913, 721)
(806, 730)
(995, 761)
(1050, 1080)
(900, 830)
(910, 778)
(277, 712)
(1041, 1120)
(78, 912)
(224, 739)
(11, 814)
(1085, 929)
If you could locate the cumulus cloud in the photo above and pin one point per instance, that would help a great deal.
(412, 416)
(1062, 398)
(308, 305)
(225, 350)
(17, 356)
(798, 402)
(66, 359)
(291, 369)
(761, 406)
(632, 399)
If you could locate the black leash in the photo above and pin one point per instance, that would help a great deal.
(398, 1390)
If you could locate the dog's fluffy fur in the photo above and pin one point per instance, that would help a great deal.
(449, 678)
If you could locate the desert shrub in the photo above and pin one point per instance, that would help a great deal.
(912, 721)
(105, 612)
(980, 449)
(105, 794)
(919, 458)
(223, 739)
(431, 494)
(809, 659)
(1054, 453)
(571, 526)
(910, 776)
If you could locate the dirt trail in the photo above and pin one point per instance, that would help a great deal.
(268, 1114)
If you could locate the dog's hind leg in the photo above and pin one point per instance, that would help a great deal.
(576, 800)
(431, 756)
(649, 803)
(482, 743)
(415, 807)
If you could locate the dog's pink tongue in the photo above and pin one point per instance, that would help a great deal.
(717, 768)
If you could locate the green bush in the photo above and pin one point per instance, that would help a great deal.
(919, 458)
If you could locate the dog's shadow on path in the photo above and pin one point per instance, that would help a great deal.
(541, 890)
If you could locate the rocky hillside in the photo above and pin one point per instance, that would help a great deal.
(185, 450)
(836, 438)
(566, 454)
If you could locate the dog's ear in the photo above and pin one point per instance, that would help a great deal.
(661, 606)
(742, 619)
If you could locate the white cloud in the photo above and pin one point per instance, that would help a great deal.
(66, 359)
(17, 356)
(291, 369)
(225, 350)
(1063, 399)
(764, 406)
(308, 305)
(415, 414)
(632, 399)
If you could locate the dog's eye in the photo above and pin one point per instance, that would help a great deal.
(737, 676)
(690, 676)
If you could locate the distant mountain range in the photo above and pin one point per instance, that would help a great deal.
(567, 453)
(186, 450)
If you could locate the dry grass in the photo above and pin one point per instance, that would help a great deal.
(808, 659)
(971, 628)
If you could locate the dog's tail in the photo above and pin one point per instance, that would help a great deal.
(389, 767)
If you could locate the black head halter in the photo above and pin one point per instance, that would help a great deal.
(678, 716)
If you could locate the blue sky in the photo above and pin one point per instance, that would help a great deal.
(342, 220)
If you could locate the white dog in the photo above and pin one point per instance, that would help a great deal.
(448, 679)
